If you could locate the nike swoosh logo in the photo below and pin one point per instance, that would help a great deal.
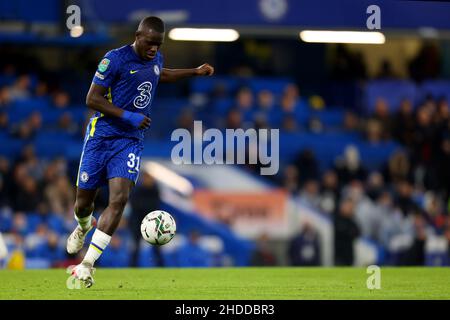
(131, 171)
(133, 71)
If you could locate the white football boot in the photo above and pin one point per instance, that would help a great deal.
(84, 272)
(75, 241)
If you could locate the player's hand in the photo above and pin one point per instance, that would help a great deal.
(145, 123)
(137, 120)
(205, 70)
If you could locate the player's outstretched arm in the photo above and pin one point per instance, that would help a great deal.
(96, 100)
(172, 75)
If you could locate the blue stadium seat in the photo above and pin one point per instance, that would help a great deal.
(330, 118)
(56, 223)
(5, 220)
(207, 85)
(437, 88)
(146, 257)
(275, 85)
(22, 109)
(10, 147)
(6, 80)
(393, 91)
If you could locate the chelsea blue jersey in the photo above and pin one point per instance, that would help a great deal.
(131, 83)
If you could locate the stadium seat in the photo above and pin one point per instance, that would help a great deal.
(275, 85)
(393, 91)
(437, 88)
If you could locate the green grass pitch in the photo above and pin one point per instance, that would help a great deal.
(230, 283)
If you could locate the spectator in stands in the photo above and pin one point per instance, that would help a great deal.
(375, 185)
(260, 121)
(341, 63)
(434, 211)
(35, 121)
(442, 115)
(20, 224)
(245, 103)
(61, 99)
(443, 167)
(59, 194)
(307, 166)
(4, 199)
(447, 237)
(234, 119)
(41, 90)
(145, 195)
(21, 131)
(426, 64)
(44, 244)
(329, 192)
(290, 179)
(266, 109)
(35, 241)
(6, 182)
(386, 71)
(263, 255)
(349, 166)
(315, 125)
(304, 248)
(290, 100)
(365, 215)
(20, 90)
(55, 252)
(5, 97)
(28, 195)
(382, 115)
(398, 168)
(425, 136)
(415, 255)
(309, 194)
(289, 124)
(405, 123)
(4, 121)
(374, 131)
(28, 128)
(186, 120)
(404, 197)
(351, 122)
(392, 220)
(265, 101)
(33, 165)
(345, 233)
(66, 124)
(192, 254)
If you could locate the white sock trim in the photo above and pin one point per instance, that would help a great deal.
(99, 242)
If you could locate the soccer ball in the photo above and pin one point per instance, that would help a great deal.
(158, 227)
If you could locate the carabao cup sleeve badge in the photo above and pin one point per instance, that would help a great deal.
(103, 65)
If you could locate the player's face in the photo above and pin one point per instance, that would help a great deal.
(148, 43)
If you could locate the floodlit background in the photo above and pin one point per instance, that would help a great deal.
(364, 132)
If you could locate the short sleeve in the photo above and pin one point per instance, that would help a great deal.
(107, 70)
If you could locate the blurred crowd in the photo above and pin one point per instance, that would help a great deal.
(401, 204)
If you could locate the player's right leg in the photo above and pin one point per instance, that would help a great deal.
(91, 176)
(84, 207)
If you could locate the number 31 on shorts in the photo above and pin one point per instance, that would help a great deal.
(133, 162)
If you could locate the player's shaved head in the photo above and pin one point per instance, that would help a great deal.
(149, 37)
(151, 23)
